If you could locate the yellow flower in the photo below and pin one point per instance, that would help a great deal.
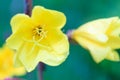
(101, 37)
(7, 68)
(39, 38)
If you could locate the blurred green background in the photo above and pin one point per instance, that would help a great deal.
(79, 65)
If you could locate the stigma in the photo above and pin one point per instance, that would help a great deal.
(39, 33)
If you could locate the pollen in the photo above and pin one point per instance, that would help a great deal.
(39, 33)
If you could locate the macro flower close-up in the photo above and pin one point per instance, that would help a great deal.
(7, 69)
(59, 39)
(101, 37)
(38, 38)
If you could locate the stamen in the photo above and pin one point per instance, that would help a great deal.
(32, 49)
(36, 43)
(38, 34)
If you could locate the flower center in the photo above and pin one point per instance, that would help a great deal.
(39, 33)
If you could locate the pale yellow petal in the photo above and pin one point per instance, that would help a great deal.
(51, 57)
(7, 68)
(15, 40)
(59, 48)
(58, 41)
(19, 71)
(27, 55)
(97, 26)
(114, 28)
(23, 33)
(23, 24)
(20, 21)
(96, 30)
(113, 56)
(17, 62)
(99, 37)
(31, 54)
(31, 51)
(113, 42)
(97, 51)
(48, 18)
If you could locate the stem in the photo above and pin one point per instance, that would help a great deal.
(28, 7)
(40, 70)
(13, 79)
(28, 10)
(69, 35)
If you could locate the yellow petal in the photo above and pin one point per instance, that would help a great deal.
(97, 26)
(59, 48)
(7, 68)
(114, 28)
(113, 55)
(22, 29)
(17, 62)
(31, 54)
(19, 71)
(57, 41)
(47, 17)
(31, 45)
(15, 39)
(51, 57)
(96, 30)
(113, 42)
(27, 55)
(99, 37)
(97, 51)
(20, 21)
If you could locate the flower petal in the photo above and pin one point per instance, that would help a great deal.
(51, 57)
(7, 68)
(59, 48)
(58, 41)
(31, 50)
(13, 40)
(97, 26)
(22, 27)
(17, 62)
(19, 71)
(20, 21)
(113, 55)
(96, 30)
(102, 38)
(113, 42)
(28, 56)
(37, 54)
(47, 17)
(97, 51)
(114, 28)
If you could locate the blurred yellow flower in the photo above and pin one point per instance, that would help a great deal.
(39, 38)
(101, 37)
(7, 68)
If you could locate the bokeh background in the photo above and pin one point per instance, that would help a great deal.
(79, 65)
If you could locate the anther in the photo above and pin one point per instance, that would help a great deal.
(39, 33)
